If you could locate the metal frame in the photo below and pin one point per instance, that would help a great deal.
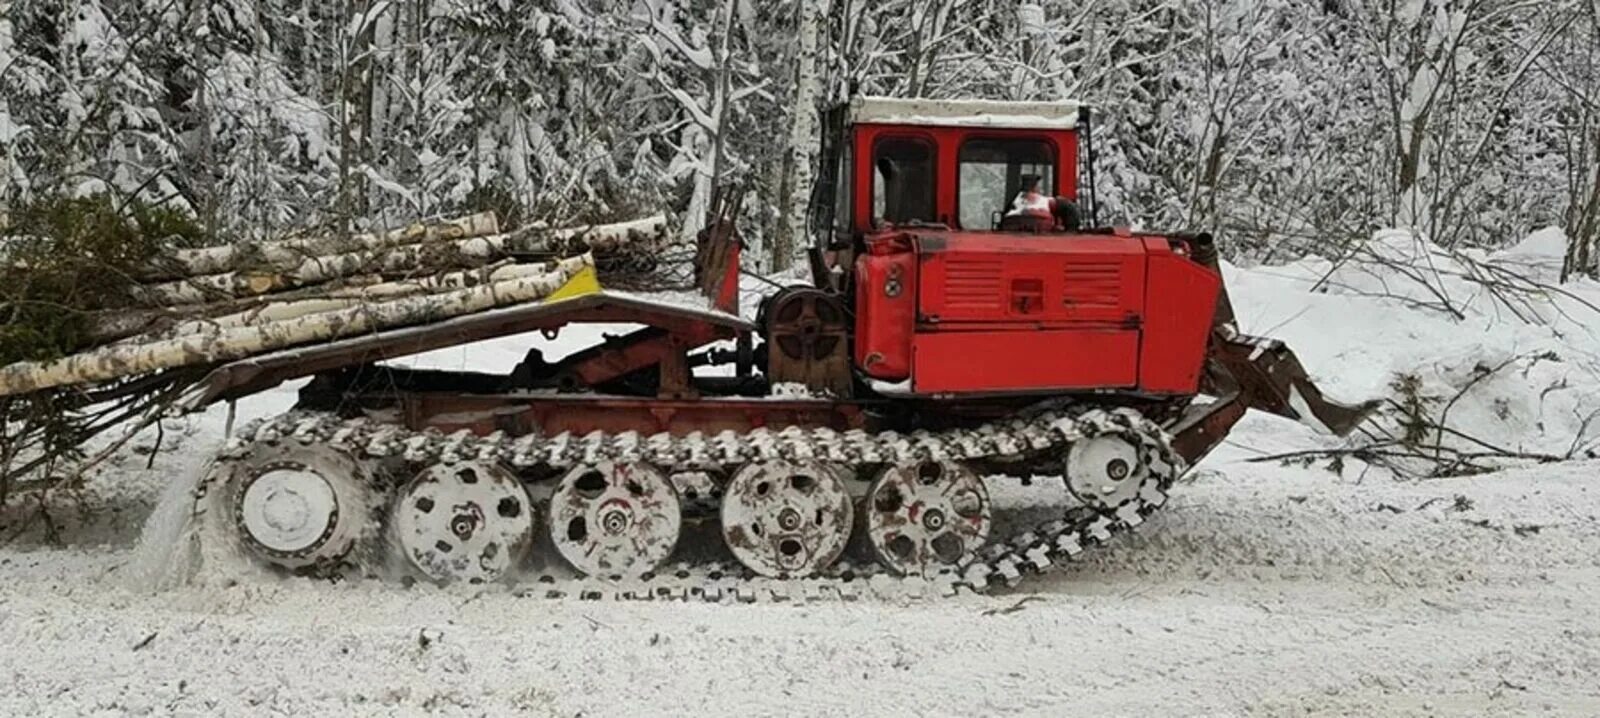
(255, 374)
(553, 413)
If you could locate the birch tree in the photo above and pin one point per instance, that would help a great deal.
(701, 75)
(803, 139)
(1575, 69)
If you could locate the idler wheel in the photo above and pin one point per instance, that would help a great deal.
(615, 520)
(298, 507)
(1105, 472)
(786, 519)
(469, 522)
(925, 516)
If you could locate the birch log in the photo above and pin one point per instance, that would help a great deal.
(803, 139)
(288, 254)
(226, 344)
(648, 232)
(343, 298)
(107, 326)
(410, 258)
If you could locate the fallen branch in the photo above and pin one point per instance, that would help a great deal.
(1447, 462)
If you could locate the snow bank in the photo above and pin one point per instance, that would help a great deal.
(1488, 346)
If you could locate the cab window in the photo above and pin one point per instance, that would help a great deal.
(902, 180)
(990, 176)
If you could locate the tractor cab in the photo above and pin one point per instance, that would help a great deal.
(959, 164)
(955, 246)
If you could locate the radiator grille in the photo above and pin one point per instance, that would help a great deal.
(1093, 285)
(973, 285)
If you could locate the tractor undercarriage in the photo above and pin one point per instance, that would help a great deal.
(787, 503)
(702, 487)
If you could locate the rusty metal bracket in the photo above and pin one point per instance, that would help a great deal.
(717, 249)
(1274, 381)
(642, 349)
(1246, 372)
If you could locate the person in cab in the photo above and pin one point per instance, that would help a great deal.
(1032, 210)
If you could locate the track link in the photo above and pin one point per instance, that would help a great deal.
(1034, 444)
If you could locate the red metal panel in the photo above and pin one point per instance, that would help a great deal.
(973, 287)
(1180, 299)
(1010, 361)
(1051, 280)
(886, 297)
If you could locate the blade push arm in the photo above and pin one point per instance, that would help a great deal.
(1246, 372)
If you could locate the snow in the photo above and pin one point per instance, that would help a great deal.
(1525, 361)
(1264, 587)
(964, 113)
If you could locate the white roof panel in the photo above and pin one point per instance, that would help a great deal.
(965, 113)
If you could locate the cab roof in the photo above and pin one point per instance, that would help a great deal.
(1063, 115)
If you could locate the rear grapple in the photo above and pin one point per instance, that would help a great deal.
(478, 509)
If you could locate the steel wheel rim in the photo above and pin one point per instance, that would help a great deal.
(615, 520)
(927, 516)
(299, 507)
(786, 519)
(470, 522)
(1105, 472)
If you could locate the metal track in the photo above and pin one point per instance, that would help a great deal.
(1040, 440)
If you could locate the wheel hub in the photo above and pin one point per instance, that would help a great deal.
(468, 522)
(1105, 472)
(786, 519)
(615, 520)
(288, 509)
(928, 516)
(299, 506)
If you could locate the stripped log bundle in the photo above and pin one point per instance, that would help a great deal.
(287, 254)
(236, 342)
(199, 307)
(398, 259)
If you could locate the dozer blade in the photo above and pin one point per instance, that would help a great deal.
(1247, 372)
(1270, 378)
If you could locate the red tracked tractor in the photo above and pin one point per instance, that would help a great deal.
(953, 335)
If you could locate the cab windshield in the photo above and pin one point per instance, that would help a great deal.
(990, 177)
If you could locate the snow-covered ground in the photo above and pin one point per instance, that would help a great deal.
(1264, 588)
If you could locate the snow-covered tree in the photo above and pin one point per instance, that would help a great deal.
(1284, 126)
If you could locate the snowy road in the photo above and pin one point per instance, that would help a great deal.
(1261, 590)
